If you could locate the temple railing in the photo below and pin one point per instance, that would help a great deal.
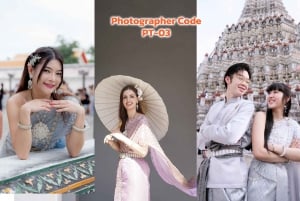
(50, 171)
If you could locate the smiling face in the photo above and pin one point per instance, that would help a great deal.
(46, 80)
(130, 100)
(279, 97)
(237, 84)
(275, 99)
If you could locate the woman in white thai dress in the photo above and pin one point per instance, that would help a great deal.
(273, 133)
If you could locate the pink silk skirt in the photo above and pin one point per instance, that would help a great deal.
(132, 182)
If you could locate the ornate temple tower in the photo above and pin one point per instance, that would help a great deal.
(266, 38)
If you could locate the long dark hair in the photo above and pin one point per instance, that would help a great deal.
(269, 117)
(44, 54)
(122, 110)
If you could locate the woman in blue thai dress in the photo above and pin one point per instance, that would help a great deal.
(39, 117)
(273, 134)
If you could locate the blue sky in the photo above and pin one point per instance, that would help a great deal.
(28, 24)
(216, 14)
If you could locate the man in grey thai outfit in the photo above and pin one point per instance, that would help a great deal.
(222, 138)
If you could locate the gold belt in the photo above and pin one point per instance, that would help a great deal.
(129, 155)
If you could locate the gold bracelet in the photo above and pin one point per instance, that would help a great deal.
(80, 130)
(24, 127)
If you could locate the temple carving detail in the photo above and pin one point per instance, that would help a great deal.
(268, 39)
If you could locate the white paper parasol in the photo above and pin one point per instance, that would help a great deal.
(107, 98)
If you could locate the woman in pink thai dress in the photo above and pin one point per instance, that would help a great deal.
(133, 139)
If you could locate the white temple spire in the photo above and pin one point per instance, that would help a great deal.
(260, 9)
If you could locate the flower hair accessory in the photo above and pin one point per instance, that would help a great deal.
(34, 59)
(139, 92)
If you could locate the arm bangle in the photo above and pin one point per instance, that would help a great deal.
(24, 127)
(80, 130)
(283, 152)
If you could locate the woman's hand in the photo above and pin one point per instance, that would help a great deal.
(112, 142)
(108, 138)
(66, 106)
(295, 143)
(36, 105)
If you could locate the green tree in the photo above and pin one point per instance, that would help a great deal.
(66, 49)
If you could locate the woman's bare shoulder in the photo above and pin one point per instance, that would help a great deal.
(18, 98)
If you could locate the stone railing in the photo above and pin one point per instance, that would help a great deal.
(49, 172)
